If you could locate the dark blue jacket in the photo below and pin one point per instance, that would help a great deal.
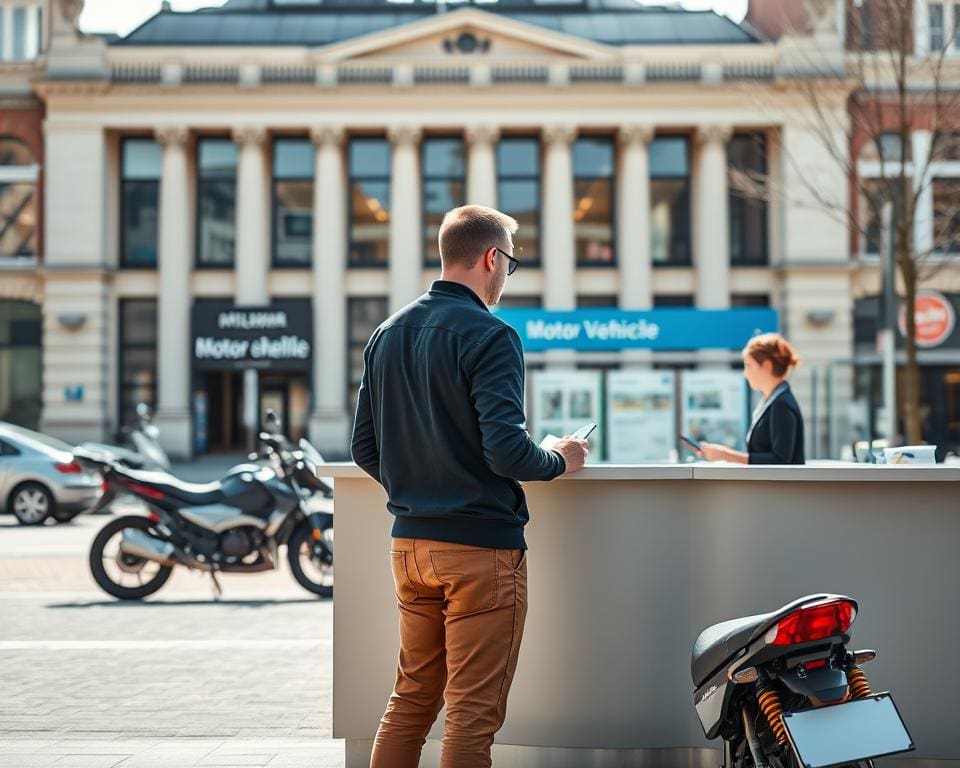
(440, 422)
(777, 437)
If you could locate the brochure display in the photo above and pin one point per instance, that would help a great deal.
(714, 407)
(641, 417)
(564, 401)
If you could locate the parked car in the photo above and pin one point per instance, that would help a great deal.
(39, 477)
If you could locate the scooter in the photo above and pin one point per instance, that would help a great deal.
(235, 525)
(782, 691)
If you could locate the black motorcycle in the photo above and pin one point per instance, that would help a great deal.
(235, 525)
(782, 690)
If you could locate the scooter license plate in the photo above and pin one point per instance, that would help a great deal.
(848, 732)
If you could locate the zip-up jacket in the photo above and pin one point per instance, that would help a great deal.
(440, 422)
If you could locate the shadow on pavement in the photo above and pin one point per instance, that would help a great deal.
(248, 603)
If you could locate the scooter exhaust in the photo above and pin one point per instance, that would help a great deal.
(141, 544)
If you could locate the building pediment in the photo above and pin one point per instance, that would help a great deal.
(467, 34)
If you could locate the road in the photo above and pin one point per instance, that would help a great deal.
(180, 680)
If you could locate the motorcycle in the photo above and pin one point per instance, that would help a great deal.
(782, 690)
(235, 525)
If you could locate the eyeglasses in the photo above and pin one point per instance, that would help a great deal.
(512, 262)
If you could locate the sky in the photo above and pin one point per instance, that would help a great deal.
(122, 16)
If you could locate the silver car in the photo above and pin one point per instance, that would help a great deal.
(39, 477)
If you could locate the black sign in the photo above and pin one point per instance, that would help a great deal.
(277, 337)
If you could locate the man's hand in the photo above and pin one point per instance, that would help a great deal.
(574, 452)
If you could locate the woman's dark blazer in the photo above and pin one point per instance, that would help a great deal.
(778, 436)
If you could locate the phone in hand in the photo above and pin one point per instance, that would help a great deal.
(692, 443)
(584, 432)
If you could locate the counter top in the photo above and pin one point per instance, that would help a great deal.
(826, 472)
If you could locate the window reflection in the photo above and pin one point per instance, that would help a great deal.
(293, 164)
(670, 201)
(18, 199)
(593, 171)
(444, 187)
(369, 170)
(216, 202)
(141, 166)
(518, 191)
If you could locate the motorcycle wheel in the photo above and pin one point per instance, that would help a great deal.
(311, 561)
(123, 576)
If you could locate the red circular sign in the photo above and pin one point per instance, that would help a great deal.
(935, 319)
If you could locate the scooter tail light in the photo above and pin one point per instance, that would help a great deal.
(153, 517)
(814, 623)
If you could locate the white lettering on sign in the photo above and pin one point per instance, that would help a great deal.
(252, 321)
(207, 348)
(284, 348)
(621, 329)
(538, 329)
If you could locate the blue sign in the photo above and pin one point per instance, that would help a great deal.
(73, 393)
(616, 329)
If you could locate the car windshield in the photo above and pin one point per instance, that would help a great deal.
(33, 439)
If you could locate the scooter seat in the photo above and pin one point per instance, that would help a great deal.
(717, 645)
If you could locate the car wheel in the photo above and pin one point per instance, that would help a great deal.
(31, 504)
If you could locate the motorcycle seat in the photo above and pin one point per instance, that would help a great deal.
(718, 644)
(194, 494)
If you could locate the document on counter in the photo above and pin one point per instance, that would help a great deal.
(548, 442)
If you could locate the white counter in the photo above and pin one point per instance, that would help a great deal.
(628, 563)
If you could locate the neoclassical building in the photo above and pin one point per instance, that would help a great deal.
(235, 197)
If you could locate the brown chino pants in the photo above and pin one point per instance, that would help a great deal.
(462, 611)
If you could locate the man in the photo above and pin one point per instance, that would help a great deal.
(440, 424)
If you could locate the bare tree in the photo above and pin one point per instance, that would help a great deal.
(893, 91)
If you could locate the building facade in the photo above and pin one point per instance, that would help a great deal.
(24, 37)
(236, 197)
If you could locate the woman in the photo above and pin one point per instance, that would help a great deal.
(776, 430)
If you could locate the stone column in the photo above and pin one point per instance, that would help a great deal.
(406, 225)
(330, 422)
(633, 228)
(175, 256)
(712, 233)
(253, 250)
(253, 217)
(559, 255)
(482, 165)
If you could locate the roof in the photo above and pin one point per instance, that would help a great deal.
(278, 22)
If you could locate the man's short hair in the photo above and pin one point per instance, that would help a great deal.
(469, 231)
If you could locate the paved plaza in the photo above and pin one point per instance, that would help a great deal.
(181, 680)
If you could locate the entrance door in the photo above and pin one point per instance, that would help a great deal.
(274, 396)
(224, 411)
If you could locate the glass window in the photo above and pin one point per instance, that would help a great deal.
(141, 165)
(670, 201)
(874, 194)
(20, 363)
(369, 170)
(594, 160)
(444, 176)
(749, 300)
(518, 191)
(363, 317)
(138, 356)
(889, 148)
(935, 22)
(19, 34)
(293, 164)
(601, 302)
(946, 215)
(18, 199)
(665, 301)
(747, 160)
(520, 302)
(216, 202)
(3, 35)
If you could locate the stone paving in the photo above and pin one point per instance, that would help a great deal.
(178, 681)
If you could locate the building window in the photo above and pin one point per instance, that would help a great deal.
(747, 160)
(670, 201)
(20, 363)
(520, 302)
(141, 165)
(293, 165)
(597, 302)
(669, 300)
(874, 194)
(444, 176)
(20, 32)
(518, 192)
(946, 215)
(363, 317)
(740, 300)
(594, 160)
(936, 26)
(216, 202)
(18, 199)
(369, 170)
(138, 356)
